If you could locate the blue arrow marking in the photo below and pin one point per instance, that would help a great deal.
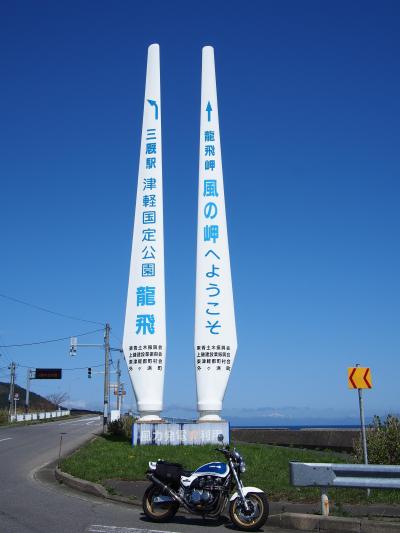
(209, 109)
(154, 103)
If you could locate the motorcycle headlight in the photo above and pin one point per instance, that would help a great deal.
(243, 467)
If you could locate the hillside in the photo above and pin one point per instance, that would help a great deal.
(35, 400)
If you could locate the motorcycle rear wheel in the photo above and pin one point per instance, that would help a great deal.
(257, 515)
(158, 512)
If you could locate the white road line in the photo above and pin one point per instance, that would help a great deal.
(79, 421)
(7, 438)
(117, 529)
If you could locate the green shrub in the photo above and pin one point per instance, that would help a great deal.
(116, 428)
(121, 427)
(127, 423)
(3, 416)
(383, 442)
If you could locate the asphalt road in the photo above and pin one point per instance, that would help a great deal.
(31, 501)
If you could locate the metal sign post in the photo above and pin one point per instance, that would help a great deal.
(360, 378)
(16, 398)
(362, 420)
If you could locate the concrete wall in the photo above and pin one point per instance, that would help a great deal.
(336, 439)
(38, 416)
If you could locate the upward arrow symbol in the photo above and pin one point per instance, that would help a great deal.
(155, 105)
(209, 109)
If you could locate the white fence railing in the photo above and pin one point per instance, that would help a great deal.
(38, 416)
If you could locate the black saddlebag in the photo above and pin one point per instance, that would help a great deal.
(169, 473)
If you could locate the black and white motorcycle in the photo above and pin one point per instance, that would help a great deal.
(205, 492)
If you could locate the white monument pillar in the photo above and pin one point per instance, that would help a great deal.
(144, 341)
(215, 329)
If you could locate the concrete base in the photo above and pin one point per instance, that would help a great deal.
(175, 434)
(150, 416)
(209, 416)
(149, 419)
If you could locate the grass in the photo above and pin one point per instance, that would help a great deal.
(109, 457)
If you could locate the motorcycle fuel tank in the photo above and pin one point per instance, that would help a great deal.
(216, 469)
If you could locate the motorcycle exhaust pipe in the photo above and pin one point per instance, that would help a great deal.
(166, 489)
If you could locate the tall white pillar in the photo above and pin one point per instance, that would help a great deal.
(215, 328)
(144, 341)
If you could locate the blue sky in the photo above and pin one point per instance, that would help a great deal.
(309, 115)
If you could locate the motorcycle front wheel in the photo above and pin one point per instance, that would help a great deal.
(253, 518)
(157, 506)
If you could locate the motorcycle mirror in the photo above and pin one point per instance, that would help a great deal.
(220, 438)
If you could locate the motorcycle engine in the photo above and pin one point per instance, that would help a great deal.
(204, 491)
(200, 497)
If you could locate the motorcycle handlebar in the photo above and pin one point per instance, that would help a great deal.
(222, 450)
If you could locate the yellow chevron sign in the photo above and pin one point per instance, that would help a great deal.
(359, 377)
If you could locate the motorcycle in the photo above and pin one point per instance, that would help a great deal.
(205, 492)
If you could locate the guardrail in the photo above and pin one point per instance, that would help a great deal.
(38, 416)
(325, 475)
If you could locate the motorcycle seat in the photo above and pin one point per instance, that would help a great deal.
(187, 473)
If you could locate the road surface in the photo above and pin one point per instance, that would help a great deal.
(31, 501)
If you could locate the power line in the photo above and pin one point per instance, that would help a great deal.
(45, 310)
(65, 369)
(48, 341)
(84, 367)
(5, 352)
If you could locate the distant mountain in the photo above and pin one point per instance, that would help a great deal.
(35, 400)
(276, 416)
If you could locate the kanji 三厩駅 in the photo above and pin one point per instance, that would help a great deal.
(211, 233)
(210, 188)
(213, 287)
(149, 200)
(148, 270)
(209, 164)
(145, 324)
(149, 183)
(149, 217)
(213, 273)
(148, 252)
(151, 148)
(209, 136)
(149, 235)
(150, 163)
(210, 210)
(151, 134)
(209, 150)
(145, 296)
(213, 326)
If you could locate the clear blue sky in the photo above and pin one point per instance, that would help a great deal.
(309, 115)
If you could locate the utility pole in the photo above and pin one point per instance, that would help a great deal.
(28, 383)
(11, 393)
(122, 395)
(107, 351)
(106, 375)
(118, 386)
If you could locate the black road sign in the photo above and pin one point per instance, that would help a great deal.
(48, 373)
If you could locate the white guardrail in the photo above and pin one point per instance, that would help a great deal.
(326, 475)
(39, 416)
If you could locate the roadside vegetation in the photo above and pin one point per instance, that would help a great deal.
(383, 442)
(113, 457)
(122, 427)
(3, 416)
